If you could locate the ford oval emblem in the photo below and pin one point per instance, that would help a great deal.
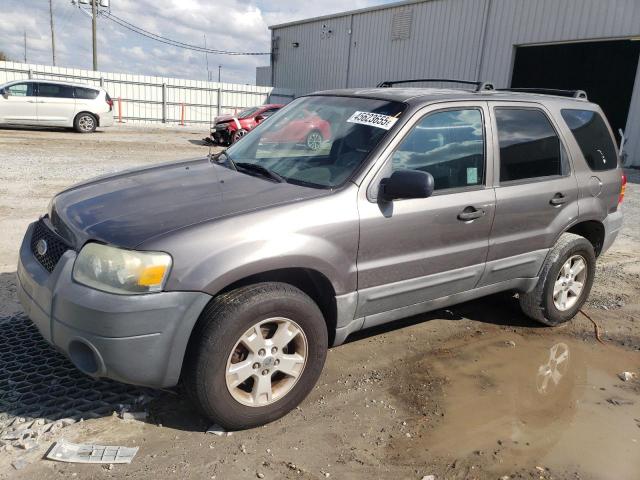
(42, 247)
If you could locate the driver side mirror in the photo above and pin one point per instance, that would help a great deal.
(4, 92)
(405, 184)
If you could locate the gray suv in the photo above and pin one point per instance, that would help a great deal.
(234, 273)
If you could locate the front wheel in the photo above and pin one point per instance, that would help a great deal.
(238, 134)
(256, 354)
(565, 281)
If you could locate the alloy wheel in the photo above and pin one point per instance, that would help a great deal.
(266, 362)
(314, 140)
(570, 283)
(86, 123)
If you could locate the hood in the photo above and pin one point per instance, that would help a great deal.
(227, 118)
(131, 207)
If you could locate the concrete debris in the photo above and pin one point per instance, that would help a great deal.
(260, 475)
(218, 430)
(137, 416)
(429, 477)
(627, 376)
(27, 444)
(63, 451)
(20, 463)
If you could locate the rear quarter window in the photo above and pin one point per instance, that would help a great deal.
(591, 133)
(85, 93)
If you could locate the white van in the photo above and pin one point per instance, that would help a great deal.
(55, 104)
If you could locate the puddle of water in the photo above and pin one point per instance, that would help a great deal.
(547, 401)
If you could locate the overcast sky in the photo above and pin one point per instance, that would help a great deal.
(229, 25)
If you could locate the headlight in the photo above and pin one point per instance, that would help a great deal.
(121, 271)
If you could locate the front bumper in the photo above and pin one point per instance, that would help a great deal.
(137, 339)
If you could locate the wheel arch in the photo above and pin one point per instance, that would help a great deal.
(592, 230)
(312, 282)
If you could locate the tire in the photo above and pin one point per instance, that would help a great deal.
(314, 140)
(85, 123)
(217, 345)
(541, 304)
(237, 135)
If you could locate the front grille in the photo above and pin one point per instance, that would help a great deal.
(55, 246)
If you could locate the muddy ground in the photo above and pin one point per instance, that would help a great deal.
(474, 391)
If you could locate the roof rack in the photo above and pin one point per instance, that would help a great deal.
(480, 86)
(549, 91)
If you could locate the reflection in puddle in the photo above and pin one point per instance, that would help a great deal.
(554, 369)
(540, 402)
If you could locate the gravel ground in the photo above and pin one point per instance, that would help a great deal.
(455, 393)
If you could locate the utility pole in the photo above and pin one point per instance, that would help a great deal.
(219, 70)
(25, 46)
(94, 18)
(206, 56)
(53, 38)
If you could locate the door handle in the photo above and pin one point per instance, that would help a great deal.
(470, 213)
(558, 199)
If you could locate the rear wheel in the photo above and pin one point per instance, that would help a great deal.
(314, 140)
(564, 283)
(85, 123)
(256, 354)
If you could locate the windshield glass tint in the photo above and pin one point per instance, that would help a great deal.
(318, 141)
(247, 112)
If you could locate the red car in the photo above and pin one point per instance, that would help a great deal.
(308, 129)
(228, 129)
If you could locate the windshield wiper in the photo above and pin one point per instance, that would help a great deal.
(254, 167)
(222, 158)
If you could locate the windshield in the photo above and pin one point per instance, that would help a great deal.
(318, 141)
(247, 112)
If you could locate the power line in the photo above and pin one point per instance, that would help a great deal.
(175, 43)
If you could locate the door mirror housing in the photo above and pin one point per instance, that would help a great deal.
(4, 92)
(405, 184)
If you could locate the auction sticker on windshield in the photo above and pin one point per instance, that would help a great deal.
(373, 120)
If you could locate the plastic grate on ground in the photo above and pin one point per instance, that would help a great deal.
(38, 383)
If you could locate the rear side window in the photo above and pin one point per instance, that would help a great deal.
(53, 90)
(529, 145)
(594, 139)
(449, 145)
(85, 93)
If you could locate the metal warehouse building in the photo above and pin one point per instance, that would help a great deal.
(591, 45)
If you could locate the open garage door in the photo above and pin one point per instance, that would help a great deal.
(605, 70)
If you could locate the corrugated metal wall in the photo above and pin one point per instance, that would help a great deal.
(469, 39)
(263, 76)
(191, 101)
(319, 61)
